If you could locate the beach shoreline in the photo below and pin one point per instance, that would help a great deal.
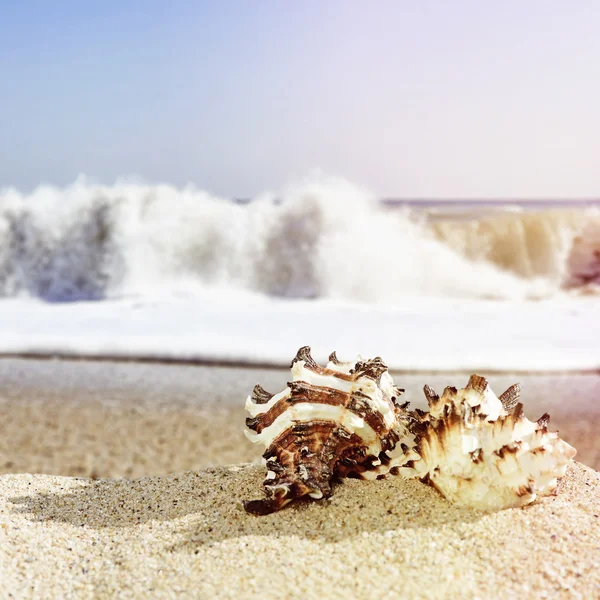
(259, 366)
(131, 419)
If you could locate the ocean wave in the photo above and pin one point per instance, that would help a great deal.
(320, 237)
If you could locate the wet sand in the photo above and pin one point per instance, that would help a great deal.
(111, 419)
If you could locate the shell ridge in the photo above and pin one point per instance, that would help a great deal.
(491, 458)
(337, 421)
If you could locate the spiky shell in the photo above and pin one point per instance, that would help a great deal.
(338, 421)
(481, 451)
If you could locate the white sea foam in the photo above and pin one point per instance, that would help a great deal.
(419, 334)
(321, 237)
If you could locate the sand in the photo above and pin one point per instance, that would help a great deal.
(111, 419)
(187, 536)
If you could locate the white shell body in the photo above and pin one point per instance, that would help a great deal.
(480, 451)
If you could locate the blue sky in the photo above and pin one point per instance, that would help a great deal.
(428, 98)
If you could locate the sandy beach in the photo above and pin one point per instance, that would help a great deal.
(126, 479)
(187, 536)
(366, 240)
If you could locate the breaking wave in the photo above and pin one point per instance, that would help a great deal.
(321, 237)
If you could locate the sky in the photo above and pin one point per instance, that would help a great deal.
(409, 99)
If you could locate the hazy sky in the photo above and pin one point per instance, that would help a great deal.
(409, 98)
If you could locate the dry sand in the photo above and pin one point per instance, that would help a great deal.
(187, 536)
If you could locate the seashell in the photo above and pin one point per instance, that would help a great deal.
(479, 450)
(339, 421)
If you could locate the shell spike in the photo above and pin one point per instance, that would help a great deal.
(260, 395)
(304, 355)
(373, 369)
(517, 412)
(478, 383)
(252, 423)
(431, 395)
(334, 359)
(543, 420)
(510, 397)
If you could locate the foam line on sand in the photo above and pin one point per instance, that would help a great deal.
(187, 535)
(417, 334)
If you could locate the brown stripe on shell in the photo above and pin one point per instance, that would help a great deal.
(360, 405)
(517, 412)
(302, 392)
(527, 489)
(538, 450)
(337, 374)
(511, 448)
(308, 436)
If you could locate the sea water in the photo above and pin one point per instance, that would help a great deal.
(143, 270)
